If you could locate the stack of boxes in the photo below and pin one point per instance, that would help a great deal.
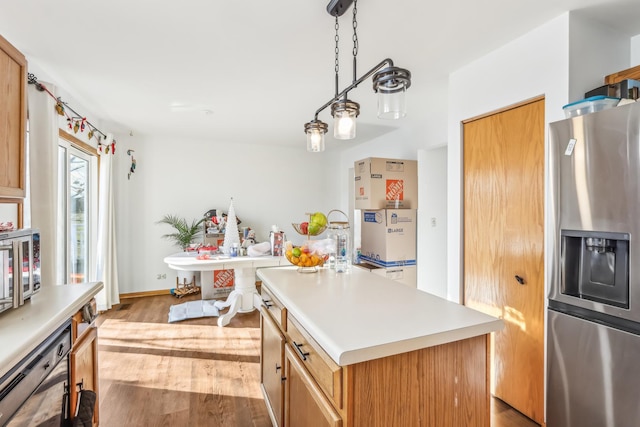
(386, 193)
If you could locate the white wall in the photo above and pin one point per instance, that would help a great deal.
(173, 176)
(635, 50)
(432, 221)
(9, 213)
(595, 52)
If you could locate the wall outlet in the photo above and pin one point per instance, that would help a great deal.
(433, 222)
(164, 276)
(160, 276)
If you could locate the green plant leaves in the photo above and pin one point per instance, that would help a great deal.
(185, 233)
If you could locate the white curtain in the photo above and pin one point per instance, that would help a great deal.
(43, 182)
(107, 268)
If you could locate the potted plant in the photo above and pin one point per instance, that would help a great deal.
(185, 233)
(184, 236)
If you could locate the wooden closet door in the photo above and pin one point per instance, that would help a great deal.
(503, 246)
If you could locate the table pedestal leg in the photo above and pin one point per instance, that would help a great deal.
(241, 299)
(234, 300)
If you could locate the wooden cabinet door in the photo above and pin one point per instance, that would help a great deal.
(503, 246)
(13, 120)
(83, 364)
(305, 405)
(272, 366)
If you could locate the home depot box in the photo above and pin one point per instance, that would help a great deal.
(406, 274)
(388, 237)
(386, 183)
(216, 283)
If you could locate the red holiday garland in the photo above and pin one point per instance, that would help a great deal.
(77, 122)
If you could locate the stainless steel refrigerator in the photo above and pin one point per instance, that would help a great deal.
(593, 328)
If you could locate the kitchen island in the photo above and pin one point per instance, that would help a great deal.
(359, 349)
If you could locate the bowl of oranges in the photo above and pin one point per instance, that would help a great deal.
(306, 257)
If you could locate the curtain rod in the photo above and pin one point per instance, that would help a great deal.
(33, 80)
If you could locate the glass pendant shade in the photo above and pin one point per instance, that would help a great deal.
(392, 105)
(344, 114)
(344, 125)
(315, 131)
(315, 141)
(391, 84)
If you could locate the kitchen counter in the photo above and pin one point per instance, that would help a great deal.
(22, 329)
(359, 316)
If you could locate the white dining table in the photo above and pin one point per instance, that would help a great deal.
(242, 298)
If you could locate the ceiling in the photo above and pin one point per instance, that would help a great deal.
(255, 72)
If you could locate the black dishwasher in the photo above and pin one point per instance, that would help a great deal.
(32, 392)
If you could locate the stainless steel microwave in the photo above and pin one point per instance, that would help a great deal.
(19, 267)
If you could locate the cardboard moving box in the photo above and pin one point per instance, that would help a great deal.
(407, 274)
(386, 183)
(217, 283)
(388, 237)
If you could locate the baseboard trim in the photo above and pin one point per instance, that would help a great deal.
(146, 293)
(163, 292)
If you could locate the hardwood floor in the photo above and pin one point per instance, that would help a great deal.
(503, 415)
(191, 373)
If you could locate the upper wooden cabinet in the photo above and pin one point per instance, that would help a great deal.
(13, 120)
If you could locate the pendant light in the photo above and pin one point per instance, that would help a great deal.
(345, 111)
(344, 114)
(390, 83)
(315, 131)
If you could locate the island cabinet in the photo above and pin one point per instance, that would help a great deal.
(334, 365)
(13, 119)
(272, 367)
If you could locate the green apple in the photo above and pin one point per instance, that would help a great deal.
(314, 228)
(319, 218)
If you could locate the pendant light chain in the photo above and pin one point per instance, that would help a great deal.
(337, 51)
(355, 38)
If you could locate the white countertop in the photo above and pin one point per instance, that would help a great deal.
(188, 261)
(360, 316)
(22, 329)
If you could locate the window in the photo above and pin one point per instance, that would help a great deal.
(77, 210)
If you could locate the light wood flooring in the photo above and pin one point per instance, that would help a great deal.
(191, 373)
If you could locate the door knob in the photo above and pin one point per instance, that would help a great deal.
(520, 280)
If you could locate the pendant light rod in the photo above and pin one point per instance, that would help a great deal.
(355, 84)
